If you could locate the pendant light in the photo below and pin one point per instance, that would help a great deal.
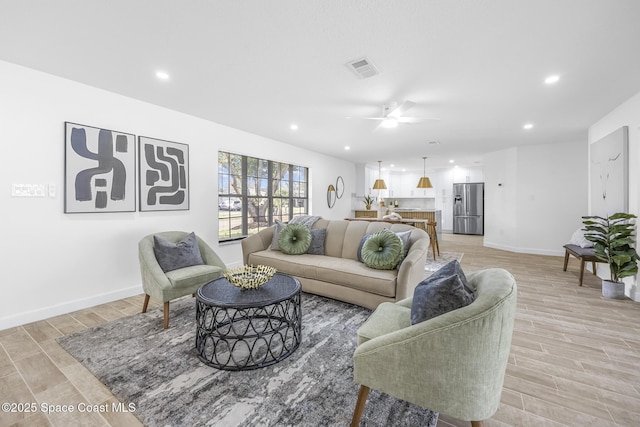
(379, 184)
(424, 182)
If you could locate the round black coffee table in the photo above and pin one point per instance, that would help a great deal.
(241, 329)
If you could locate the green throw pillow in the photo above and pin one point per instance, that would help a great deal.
(294, 239)
(382, 250)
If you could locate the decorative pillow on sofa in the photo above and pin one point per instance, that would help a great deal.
(277, 228)
(317, 241)
(294, 239)
(172, 256)
(443, 291)
(449, 269)
(578, 239)
(364, 239)
(382, 250)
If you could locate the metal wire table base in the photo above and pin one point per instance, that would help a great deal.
(236, 339)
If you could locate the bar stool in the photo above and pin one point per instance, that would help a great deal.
(433, 234)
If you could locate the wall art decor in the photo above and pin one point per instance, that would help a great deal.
(164, 175)
(610, 173)
(99, 170)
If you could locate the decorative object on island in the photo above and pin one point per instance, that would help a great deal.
(339, 187)
(249, 276)
(613, 237)
(331, 195)
(424, 182)
(379, 184)
(368, 201)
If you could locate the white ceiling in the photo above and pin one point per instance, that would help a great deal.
(259, 66)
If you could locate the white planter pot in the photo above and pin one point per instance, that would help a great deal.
(612, 289)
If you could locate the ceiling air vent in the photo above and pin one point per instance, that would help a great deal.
(363, 68)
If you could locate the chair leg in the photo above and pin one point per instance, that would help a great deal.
(566, 260)
(145, 304)
(477, 423)
(166, 315)
(593, 267)
(437, 244)
(362, 399)
(581, 270)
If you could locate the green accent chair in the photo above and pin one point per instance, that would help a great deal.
(174, 284)
(453, 364)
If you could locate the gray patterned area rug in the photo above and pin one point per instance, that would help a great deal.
(159, 371)
(442, 259)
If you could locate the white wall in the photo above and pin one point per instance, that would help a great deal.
(627, 114)
(542, 198)
(53, 262)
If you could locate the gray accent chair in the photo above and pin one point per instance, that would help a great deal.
(174, 284)
(454, 363)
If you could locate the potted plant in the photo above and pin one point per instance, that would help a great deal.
(368, 201)
(612, 237)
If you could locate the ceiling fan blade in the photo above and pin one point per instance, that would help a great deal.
(366, 118)
(401, 109)
(416, 120)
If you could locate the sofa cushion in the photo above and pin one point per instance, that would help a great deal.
(340, 271)
(317, 241)
(439, 294)
(294, 239)
(172, 256)
(382, 250)
(194, 275)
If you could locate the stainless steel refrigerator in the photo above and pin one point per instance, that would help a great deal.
(468, 208)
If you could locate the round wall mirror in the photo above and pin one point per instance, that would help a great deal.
(339, 187)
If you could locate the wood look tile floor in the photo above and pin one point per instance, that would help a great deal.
(575, 356)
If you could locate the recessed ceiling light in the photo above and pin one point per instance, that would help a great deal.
(392, 165)
(404, 170)
(552, 79)
(528, 126)
(451, 161)
(294, 126)
(162, 75)
(346, 147)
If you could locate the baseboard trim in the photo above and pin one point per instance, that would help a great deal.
(68, 307)
(559, 252)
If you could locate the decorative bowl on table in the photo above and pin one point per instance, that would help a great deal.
(249, 276)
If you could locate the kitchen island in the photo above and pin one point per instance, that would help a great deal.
(429, 215)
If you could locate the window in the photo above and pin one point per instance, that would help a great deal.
(253, 193)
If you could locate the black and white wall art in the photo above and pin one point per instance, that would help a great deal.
(164, 175)
(610, 173)
(99, 170)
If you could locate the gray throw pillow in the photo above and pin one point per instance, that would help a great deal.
(449, 269)
(317, 241)
(364, 239)
(172, 256)
(405, 236)
(277, 228)
(445, 290)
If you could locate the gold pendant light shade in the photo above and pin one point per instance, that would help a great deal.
(379, 184)
(424, 182)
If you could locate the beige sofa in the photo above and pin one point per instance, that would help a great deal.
(338, 274)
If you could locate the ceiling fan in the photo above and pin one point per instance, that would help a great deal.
(393, 114)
